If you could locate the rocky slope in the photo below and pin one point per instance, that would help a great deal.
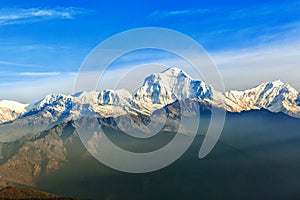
(23, 160)
(26, 193)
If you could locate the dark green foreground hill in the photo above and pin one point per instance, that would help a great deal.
(26, 193)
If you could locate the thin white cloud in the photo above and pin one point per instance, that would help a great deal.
(170, 13)
(17, 64)
(39, 73)
(21, 15)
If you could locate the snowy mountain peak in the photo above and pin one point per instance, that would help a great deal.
(168, 77)
(10, 110)
(13, 105)
(85, 97)
(160, 89)
(274, 96)
(276, 88)
(52, 99)
(114, 97)
(277, 83)
(174, 71)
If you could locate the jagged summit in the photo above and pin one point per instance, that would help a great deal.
(277, 82)
(160, 89)
(274, 96)
(175, 71)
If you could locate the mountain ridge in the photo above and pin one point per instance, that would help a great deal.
(157, 91)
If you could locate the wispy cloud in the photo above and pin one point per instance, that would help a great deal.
(39, 73)
(29, 15)
(170, 13)
(18, 64)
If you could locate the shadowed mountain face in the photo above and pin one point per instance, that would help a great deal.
(257, 157)
(25, 159)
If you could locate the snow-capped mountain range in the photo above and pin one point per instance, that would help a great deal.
(158, 90)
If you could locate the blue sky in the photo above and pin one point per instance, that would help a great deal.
(43, 43)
